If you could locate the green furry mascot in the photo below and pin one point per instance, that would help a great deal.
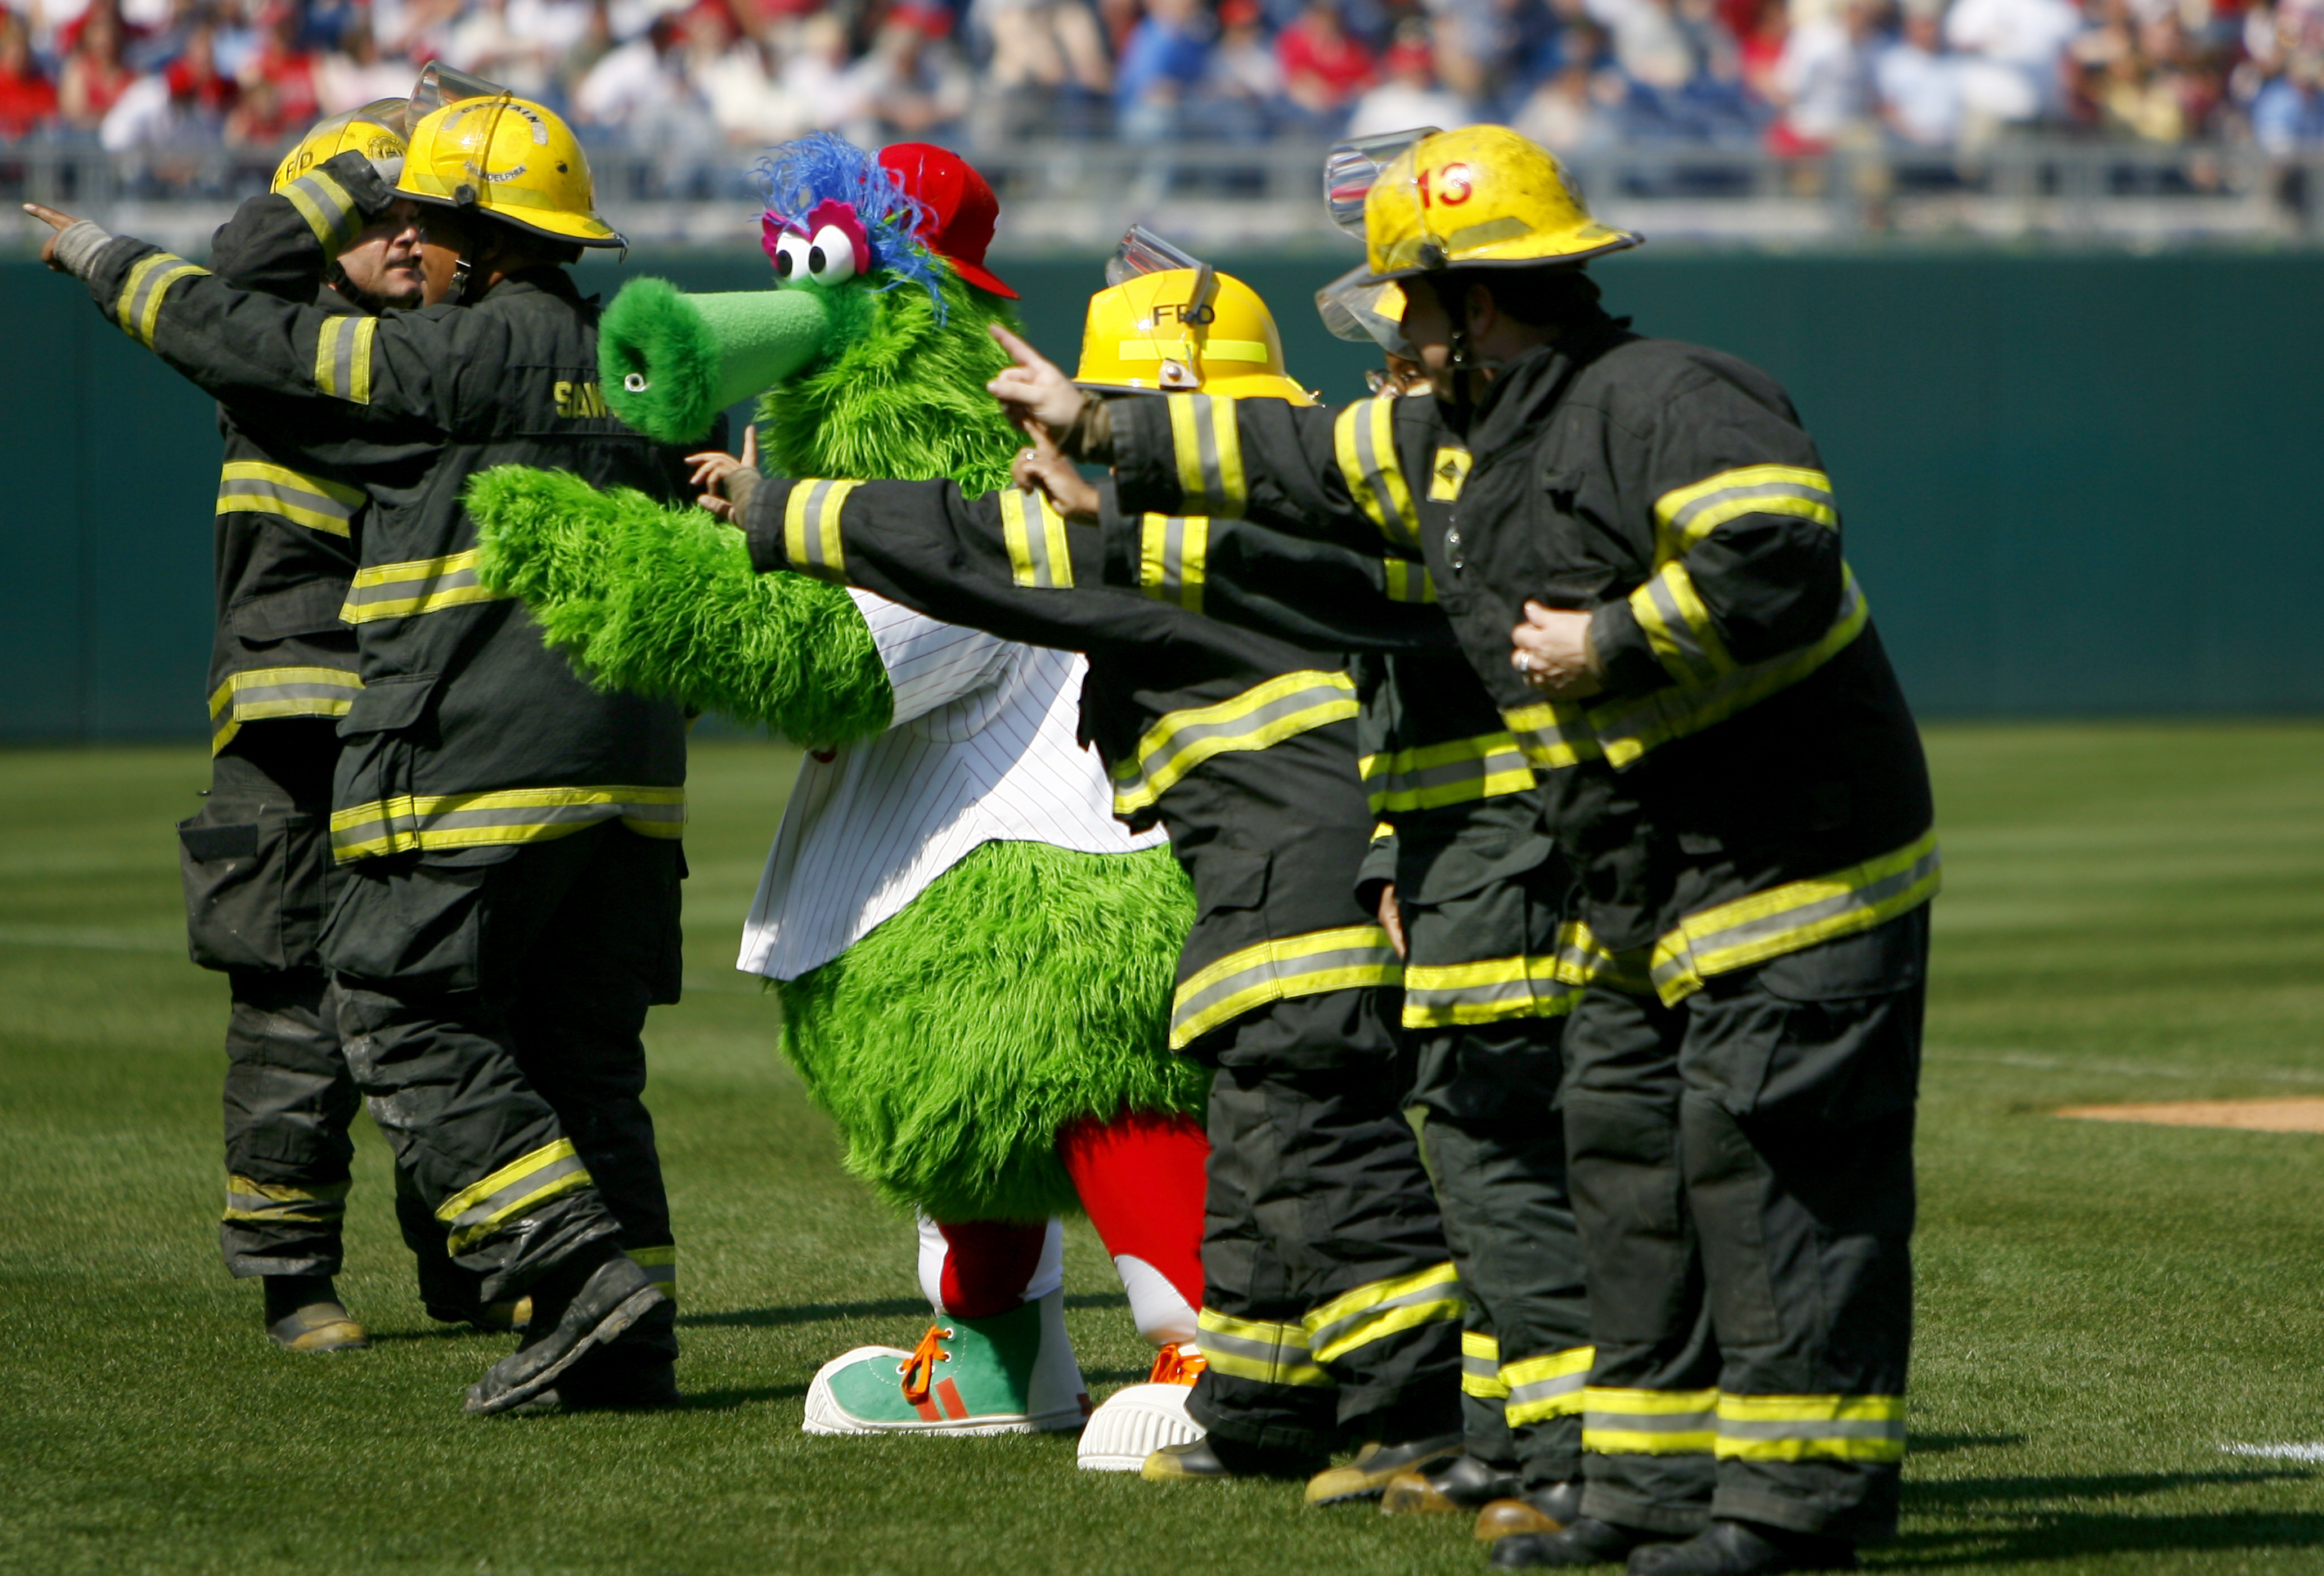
(975, 962)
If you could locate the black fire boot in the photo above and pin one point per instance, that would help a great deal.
(1367, 1477)
(1743, 1548)
(1584, 1542)
(1211, 1457)
(303, 1313)
(576, 1309)
(1462, 1483)
(1543, 1511)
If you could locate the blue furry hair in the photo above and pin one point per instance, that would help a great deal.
(820, 167)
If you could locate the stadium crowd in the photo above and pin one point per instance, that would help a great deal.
(702, 77)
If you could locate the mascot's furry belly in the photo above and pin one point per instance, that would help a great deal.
(1026, 987)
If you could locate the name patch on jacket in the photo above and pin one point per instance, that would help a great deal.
(575, 400)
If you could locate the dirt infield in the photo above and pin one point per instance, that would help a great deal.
(2255, 1116)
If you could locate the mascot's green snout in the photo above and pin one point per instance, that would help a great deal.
(670, 361)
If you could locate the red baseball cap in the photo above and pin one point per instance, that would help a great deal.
(961, 208)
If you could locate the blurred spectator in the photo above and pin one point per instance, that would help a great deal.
(181, 108)
(276, 98)
(1825, 81)
(643, 88)
(1047, 46)
(1324, 66)
(1242, 86)
(1919, 84)
(1410, 96)
(93, 76)
(354, 74)
(28, 99)
(493, 41)
(1651, 45)
(1484, 46)
(912, 86)
(1162, 66)
(1571, 110)
(2287, 116)
(2014, 55)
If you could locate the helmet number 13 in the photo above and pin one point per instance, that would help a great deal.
(1448, 187)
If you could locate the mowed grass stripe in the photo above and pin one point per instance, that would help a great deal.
(2132, 913)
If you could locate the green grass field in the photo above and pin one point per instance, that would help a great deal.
(2132, 914)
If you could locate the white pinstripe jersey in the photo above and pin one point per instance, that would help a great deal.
(981, 746)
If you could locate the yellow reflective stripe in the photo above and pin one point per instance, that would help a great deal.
(811, 535)
(1038, 554)
(1551, 1386)
(1551, 735)
(1684, 516)
(1262, 715)
(1207, 349)
(139, 309)
(1582, 957)
(256, 694)
(327, 209)
(1446, 474)
(1383, 829)
(1679, 628)
(257, 487)
(1801, 1428)
(1652, 1423)
(1251, 1348)
(1208, 448)
(1626, 730)
(420, 586)
(1363, 441)
(1782, 919)
(477, 1209)
(1172, 557)
(1481, 1365)
(1451, 771)
(1406, 581)
(660, 1265)
(430, 821)
(343, 357)
(1384, 1308)
(282, 1203)
(1351, 957)
(1489, 990)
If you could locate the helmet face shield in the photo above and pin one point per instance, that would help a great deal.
(1351, 167)
(440, 85)
(1143, 251)
(1364, 310)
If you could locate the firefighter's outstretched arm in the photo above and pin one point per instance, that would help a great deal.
(316, 382)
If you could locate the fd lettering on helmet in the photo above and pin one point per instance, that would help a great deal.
(1449, 186)
(1169, 311)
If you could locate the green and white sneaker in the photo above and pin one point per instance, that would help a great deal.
(1013, 1373)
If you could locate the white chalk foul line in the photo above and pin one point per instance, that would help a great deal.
(2277, 1453)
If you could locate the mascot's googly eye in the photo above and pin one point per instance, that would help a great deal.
(791, 256)
(832, 258)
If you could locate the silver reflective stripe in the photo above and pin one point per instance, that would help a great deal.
(318, 1205)
(1171, 552)
(1547, 1386)
(1681, 522)
(479, 1217)
(257, 487)
(1035, 539)
(327, 209)
(423, 586)
(1208, 450)
(1829, 1428)
(1455, 772)
(1686, 648)
(1263, 1352)
(1355, 957)
(1375, 1312)
(1265, 715)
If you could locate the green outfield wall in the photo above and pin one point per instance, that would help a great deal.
(2072, 485)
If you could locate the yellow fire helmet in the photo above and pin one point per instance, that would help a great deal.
(511, 159)
(1478, 197)
(371, 131)
(1183, 329)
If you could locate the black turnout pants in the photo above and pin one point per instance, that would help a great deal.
(1486, 1095)
(256, 863)
(1330, 1311)
(492, 1004)
(1742, 1169)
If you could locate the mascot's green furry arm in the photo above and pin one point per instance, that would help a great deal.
(1029, 985)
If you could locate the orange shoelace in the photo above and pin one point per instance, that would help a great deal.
(1173, 1366)
(919, 1367)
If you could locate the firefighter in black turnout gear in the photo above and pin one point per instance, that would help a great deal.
(506, 837)
(1726, 759)
(1330, 1311)
(256, 859)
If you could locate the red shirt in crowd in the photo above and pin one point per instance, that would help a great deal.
(27, 100)
(1337, 60)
